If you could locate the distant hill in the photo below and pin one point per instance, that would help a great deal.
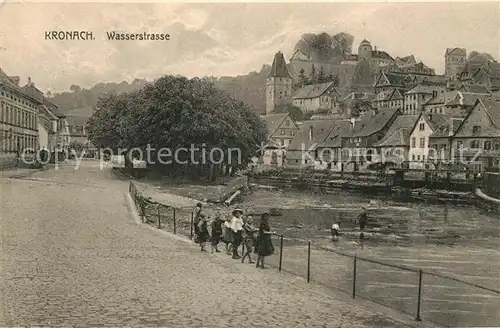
(248, 88)
(84, 99)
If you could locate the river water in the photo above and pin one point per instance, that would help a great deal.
(453, 240)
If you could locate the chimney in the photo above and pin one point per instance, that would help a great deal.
(375, 48)
(353, 123)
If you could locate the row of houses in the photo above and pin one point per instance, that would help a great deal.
(390, 137)
(29, 121)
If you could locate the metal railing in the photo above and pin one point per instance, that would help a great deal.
(436, 297)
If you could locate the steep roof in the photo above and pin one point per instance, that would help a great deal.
(279, 68)
(474, 88)
(340, 128)
(448, 128)
(370, 124)
(320, 130)
(456, 51)
(312, 90)
(273, 121)
(434, 120)
(395, 79)
(381, 55)
(74, 120)
(422, 88)
(465, 99)
(492, 109)
(440, 98)
(399, 132)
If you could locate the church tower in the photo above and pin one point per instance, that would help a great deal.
(365, 50)
(455, 60)
(278, 84)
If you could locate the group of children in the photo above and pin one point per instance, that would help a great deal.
(235, 231)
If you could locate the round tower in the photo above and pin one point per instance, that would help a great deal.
(365, 50)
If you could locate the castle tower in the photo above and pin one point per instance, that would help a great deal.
(278, 84)
(455, 60)
(365, 50)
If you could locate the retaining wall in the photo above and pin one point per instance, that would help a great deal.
(491, 184)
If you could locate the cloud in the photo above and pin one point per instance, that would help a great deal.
(223, 38)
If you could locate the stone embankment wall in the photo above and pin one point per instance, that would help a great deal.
(226, 190)
(491, 185)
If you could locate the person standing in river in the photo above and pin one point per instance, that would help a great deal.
(265, 243)
(362, 219)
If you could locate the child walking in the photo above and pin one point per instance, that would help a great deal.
(216, 233)
(248, 239)
(227, 235)
(203, 235)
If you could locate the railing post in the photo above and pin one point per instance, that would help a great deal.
(142, 204)
(281, 252)
(308, 260)
(175, 224)
(419, 299)
(192, 220)
(159, 222)
(354, 278)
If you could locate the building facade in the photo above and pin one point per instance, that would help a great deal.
(320, 97)
(281, 130)
(18, 115)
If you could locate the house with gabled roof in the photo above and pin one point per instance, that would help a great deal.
(391, 99)
(418, 96)
(477, 139)
(357, 145)
(281, 129)
(328, 152)
(463, 103)
(321, 97)
(395, 145)
(301, 153)
(487, 75)
(440, 140)
(424, 127)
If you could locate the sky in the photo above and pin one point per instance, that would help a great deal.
(223, 39)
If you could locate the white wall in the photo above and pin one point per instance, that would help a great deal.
(417, 151)
(43, 137)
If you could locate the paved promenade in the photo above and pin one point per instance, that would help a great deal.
(71, 254)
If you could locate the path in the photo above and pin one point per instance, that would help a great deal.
(72, 255)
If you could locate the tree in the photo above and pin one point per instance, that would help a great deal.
(313, 78)
(75, 88)
(294, 111)
(176, 112)
(303, 80)
(321, 75)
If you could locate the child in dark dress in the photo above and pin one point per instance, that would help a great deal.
(216, 233)
(203, 235)
(265, 243)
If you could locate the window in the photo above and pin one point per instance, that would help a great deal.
(418, 157)
(476, 129)
(460, 144)
(487, 145)
(413, 142)
(423, 157)
(475, 144)
(287, 123)
(413, 157)
(422, 142)
(422, 126)
(282, 131)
